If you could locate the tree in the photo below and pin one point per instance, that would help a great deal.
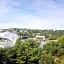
(46, 58)
(52, 37)
(61, 39)
(28, 52)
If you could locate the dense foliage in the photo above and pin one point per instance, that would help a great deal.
(28, 52)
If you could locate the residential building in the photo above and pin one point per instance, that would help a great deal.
(7, 39)
(40, 39)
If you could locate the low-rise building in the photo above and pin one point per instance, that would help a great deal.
(7, 39)
(40, 39)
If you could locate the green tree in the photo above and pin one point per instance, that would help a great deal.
(61, 39)
(52, 37)
(28, 52)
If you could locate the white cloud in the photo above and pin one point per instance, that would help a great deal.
(27, 21)
(34, 14)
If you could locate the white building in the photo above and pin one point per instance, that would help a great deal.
(7, 39)
(40, 39)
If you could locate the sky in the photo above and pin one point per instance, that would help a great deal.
(33, 14)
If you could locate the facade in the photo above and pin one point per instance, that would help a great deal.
(24, 37)
(7, 39)
(40, 39)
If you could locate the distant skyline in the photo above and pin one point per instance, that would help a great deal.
(33, 14)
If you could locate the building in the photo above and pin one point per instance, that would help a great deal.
(7, 39)
(40, 39)
(24, 37)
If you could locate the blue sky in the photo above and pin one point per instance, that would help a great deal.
(34, 14)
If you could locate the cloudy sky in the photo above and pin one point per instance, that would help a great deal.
(34, 14)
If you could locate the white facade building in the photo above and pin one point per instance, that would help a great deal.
(7, 39)
(40, 39)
